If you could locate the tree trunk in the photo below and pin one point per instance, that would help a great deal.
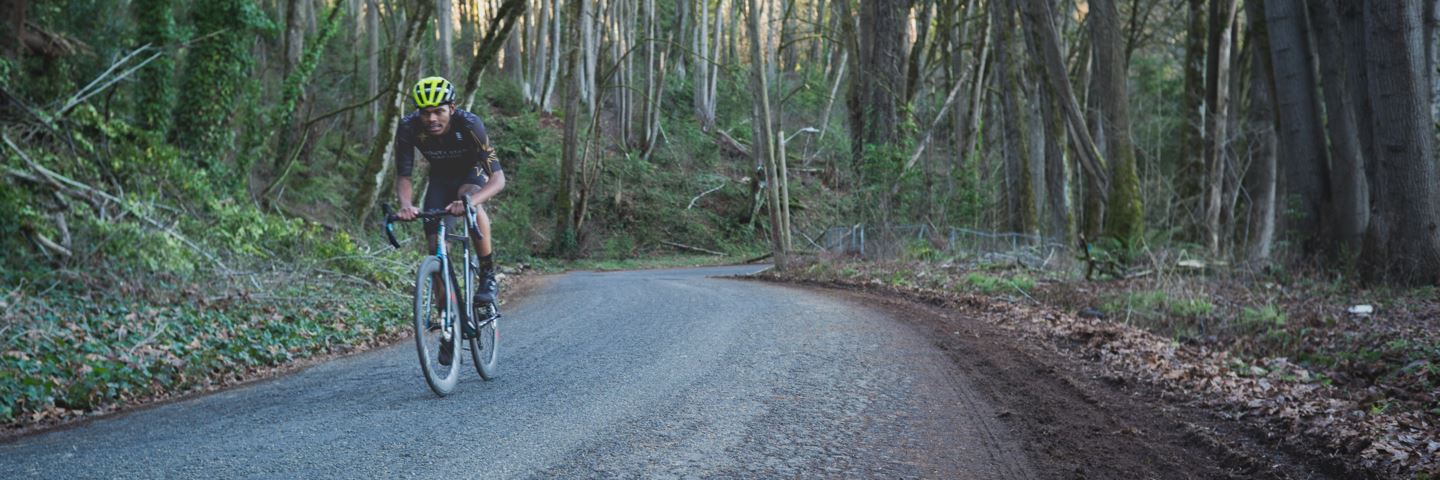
(1261, 122)
(156, 26)
(511, 66)
(1019, 204)
(13, 13)
(565, 239)
(295, 24)
(1403, 242)
(591, 50)
(495, 37)
(764, 145)
(553, 72)
(382, 148)
(1125, 214)
(1347, 169)
(372, 30)
(1217, 102)
(445, 21)
(1306, 171)
(915, 65)
(1191, 177)
(703, 112)
(539, 55)
(882, 26)
(1037, 16)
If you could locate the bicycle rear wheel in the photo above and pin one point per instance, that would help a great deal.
(434, 324)
(484, 347)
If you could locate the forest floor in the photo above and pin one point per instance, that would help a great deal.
(1289, 378)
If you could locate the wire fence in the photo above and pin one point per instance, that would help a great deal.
(952, 244)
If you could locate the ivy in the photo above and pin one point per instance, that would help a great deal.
(217, 74)
(156, 88)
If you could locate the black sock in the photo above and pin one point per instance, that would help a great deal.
(487, 262)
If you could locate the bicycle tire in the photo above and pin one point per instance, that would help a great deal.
(484, 348)
(441, 378)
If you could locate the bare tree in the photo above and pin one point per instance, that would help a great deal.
(764, 145)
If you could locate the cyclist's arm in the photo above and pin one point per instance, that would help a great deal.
(406, 191)
(404, 165)
(493, 186)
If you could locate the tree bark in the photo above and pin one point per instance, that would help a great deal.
(1351, 193)
(295, 23)
(764, 144)
(13, 14)
(1037, 16)
(553, 72)
(566, 237)
(1403, 241)
(501, 25)
(539, 56)
(1306, 171)
(882, 24)
(703, 112)
(445, 22)
(156, 27)
(382, 148)
(1217, 93)
(1017, 192)
(1125, 212)
(372, 31)
(761, 125)
(1191, 178)
(1261, 126)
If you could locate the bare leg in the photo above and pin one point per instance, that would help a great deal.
(483, 246)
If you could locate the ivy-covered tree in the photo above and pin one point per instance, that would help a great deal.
(155, 95)
(216, 74)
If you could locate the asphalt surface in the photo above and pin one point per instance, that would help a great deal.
(653, 374)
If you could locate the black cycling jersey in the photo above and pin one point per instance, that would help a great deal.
(454, 154)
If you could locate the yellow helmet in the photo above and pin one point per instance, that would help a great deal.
(433, 91)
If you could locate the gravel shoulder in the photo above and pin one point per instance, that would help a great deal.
(1075, 419)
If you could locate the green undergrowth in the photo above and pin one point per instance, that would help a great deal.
(69, 353)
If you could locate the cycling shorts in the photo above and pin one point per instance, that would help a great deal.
(442, 190)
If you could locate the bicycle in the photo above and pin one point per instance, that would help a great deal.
(430, 332)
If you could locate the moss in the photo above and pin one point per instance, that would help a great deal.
(1125, 220)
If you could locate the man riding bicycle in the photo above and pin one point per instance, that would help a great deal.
(463, 168)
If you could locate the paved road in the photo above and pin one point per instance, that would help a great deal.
(654, 374)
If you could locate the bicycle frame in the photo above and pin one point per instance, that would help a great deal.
(442, 238)
(459, 317)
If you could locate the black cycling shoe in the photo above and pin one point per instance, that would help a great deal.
(486, 290)
(447, 352)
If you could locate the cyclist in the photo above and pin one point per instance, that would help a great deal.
(463, 168)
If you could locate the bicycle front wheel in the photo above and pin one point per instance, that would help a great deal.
(436, 323)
